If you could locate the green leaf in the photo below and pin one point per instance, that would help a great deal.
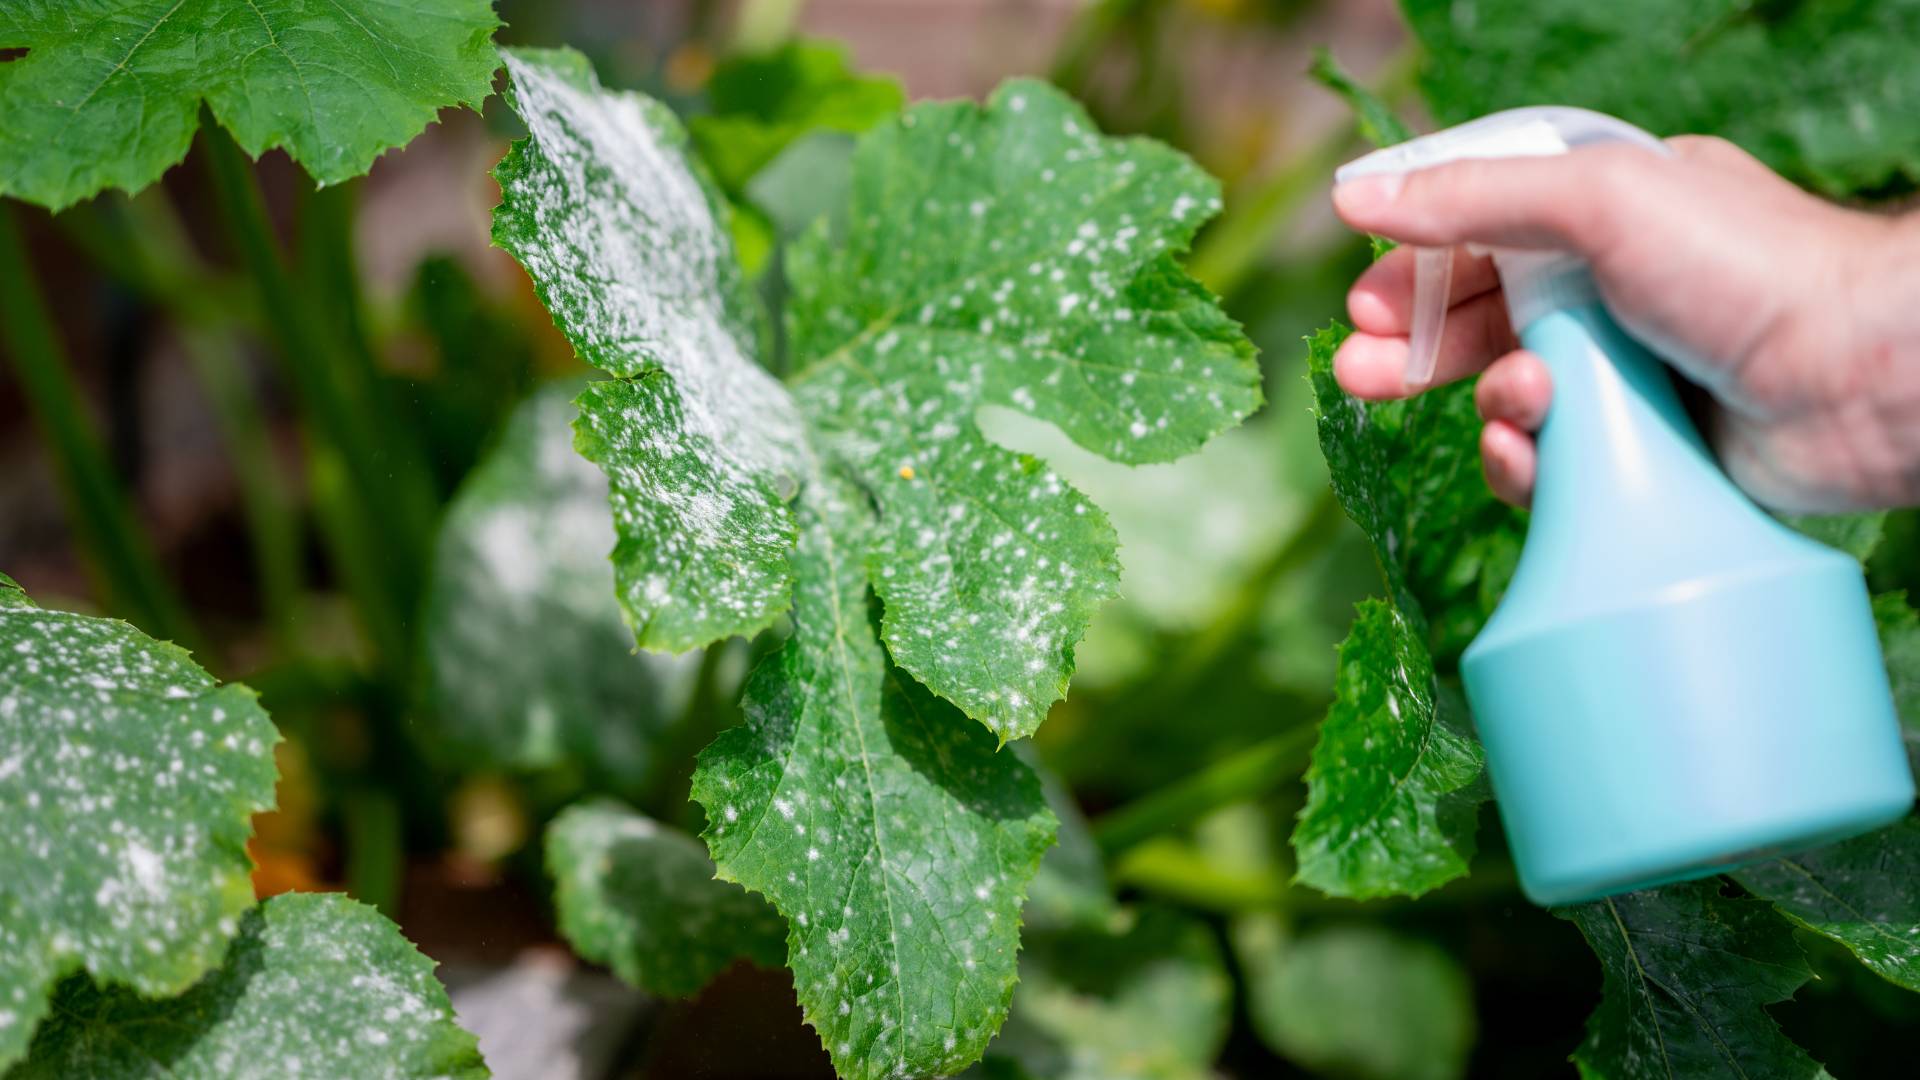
(641, 898)
(1900, 644)
(109, 91)
(128, 783)
(529, 665)
(998, 255)
(1408, 472)
(1856, 534)
(1378, 124)
(1688, 974)
(1151, 1001)
(1006, 255)
(1393, 793)
(1863, 893)
(627, 249)
(763, 102)
(1836, 104)
(315, 985)
(1356, 1000)
(879, 821)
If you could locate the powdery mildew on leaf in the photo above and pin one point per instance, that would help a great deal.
(1010, 255)
(1863, 893)
(641, 898)
(109, 91)
(315, 986)
(128, 783)
(626, 248)
(1688, 974)
(882, 824)
(1393, 792)
(529, 663)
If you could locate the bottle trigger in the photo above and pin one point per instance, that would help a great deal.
(1432, 283)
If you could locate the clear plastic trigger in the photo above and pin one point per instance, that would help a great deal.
(1432, 282)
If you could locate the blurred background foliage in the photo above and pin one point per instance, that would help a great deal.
(420, 593)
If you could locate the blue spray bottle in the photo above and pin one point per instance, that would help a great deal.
(1675, 684)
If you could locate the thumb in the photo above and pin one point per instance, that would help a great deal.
(1573, 201)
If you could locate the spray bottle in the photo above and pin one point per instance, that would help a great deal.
(1675, 684)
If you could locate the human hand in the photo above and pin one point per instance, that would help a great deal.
(1799, 317)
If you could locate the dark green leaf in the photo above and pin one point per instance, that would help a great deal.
(1827, 92)
(1688, 974)
(641, 898)
(128, 784)
(1148, 1001)
(1409, 473)
(315, 985)
(1863, 893)
(764, 102)
(529, 665)
(1855, 534)
(1900, 643)
(1071, 887)
(1393, 792)
(1356, 1001)
(109, 91)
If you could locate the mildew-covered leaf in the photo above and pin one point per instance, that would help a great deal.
(625, 246)
(1826, 92)
(109, 91)
(763, 102)
(1393, 792)
(1688, 974)
(1863, 893)
(641, 898)
(128, 783)
(529, 664)
(1150, 1000)
(881, 823)
(1006, 254)
(315, 985)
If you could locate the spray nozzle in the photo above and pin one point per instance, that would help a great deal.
(1539, 131)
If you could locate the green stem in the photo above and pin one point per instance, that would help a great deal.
(1243, 775)
(102, 515)
(273, 521)
(375, 848)
(1235, 243)
(141, 243)
(373, 555)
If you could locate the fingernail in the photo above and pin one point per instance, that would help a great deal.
(1368, 193)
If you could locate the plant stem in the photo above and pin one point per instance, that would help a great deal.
(273, 521)
(375, 852)
(1243, 775)
(1235, 243)
(126, 567)
(375, 553)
